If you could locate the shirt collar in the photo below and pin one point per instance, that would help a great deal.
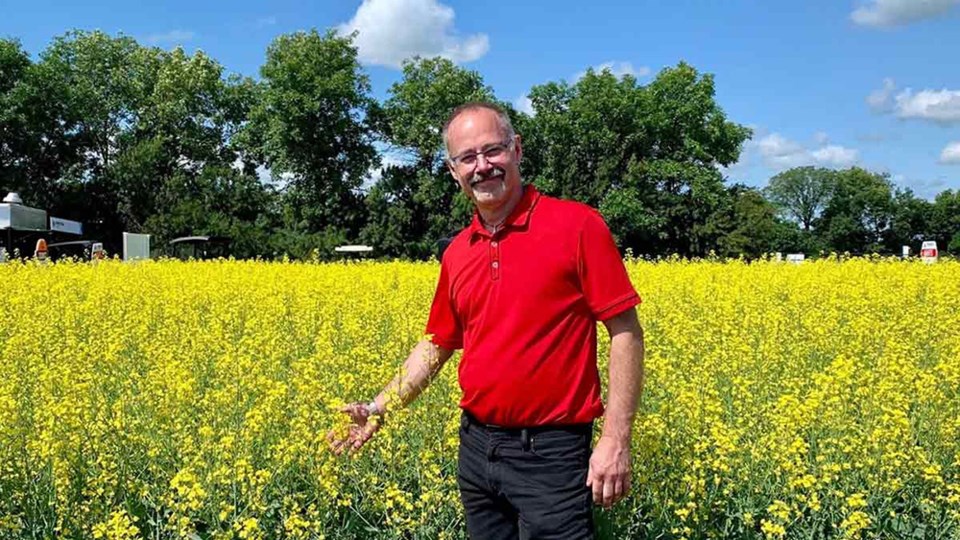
(518, 218)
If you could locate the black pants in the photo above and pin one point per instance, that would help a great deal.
(528, 483)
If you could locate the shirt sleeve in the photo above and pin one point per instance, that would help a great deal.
(603, 276)
(444, 326)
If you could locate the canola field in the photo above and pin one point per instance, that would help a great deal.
(192, 400)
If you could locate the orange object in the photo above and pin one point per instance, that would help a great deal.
(41, 251)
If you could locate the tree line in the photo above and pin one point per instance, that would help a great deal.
(126, 137)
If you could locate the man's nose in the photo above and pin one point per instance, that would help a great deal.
(483, 164)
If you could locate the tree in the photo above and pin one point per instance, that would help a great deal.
(678, 198)
(647, 156)
(945, 221)
(77, 104)
(909, 221)
(14, 64)
(113, 128)
(859, 212)
(416, 203)
(747, 224)
(802, 192)
(219, 201)
(38, 142)
(583, 137)
(185, 126)
(312, 129)
(103, 82)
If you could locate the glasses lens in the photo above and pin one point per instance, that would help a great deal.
(494, 152)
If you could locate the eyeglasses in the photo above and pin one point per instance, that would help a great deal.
(491, 153)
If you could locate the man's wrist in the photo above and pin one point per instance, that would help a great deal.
(373, 409)
(618, 438)
(618, 430)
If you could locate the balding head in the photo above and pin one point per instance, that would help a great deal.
(506, 127)
(484, 156)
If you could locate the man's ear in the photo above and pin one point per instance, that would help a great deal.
(453, 171)
(518, 144)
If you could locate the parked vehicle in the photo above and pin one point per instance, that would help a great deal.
(79, 249)
(199, 247)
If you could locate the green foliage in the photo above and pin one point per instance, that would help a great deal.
(220, 201)
(125, 137)
(909, 221)
(420, 103)
(802, 192)
(416, 203)
(14, 65)
(747, 224)
(859, 212)
(945, 221)
(124, 129)
(647, 156)
(311, 128)
(38, 142)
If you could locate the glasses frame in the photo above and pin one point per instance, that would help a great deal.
(457, 161)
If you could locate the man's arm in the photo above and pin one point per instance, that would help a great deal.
(423, 363)
(421, 366)
(609, 475)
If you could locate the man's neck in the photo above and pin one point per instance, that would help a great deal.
(494, 219)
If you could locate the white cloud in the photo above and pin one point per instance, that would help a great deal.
(951, 154)
(388, 159)
(778, 153)
(524, 105)
(173, 37)
(835, 156)
(391, 31)
(886, 13)
(942, 106)
(821, 138)
(879, 100)
(266, 21)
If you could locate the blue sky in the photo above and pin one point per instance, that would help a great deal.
(832, 83)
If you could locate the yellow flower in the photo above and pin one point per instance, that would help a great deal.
(202, 394)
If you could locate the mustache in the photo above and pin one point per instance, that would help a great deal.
(477, 178)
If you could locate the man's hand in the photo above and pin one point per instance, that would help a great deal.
(361, 428)
(609, 473)
(424, 361)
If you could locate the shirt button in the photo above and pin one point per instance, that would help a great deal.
(496, 264)
(494, 244)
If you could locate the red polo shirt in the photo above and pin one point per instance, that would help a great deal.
(524, 305)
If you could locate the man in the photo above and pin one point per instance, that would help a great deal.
(520, 291)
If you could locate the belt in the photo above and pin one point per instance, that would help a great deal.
(467, 420)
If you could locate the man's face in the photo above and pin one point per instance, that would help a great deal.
(489, 179)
